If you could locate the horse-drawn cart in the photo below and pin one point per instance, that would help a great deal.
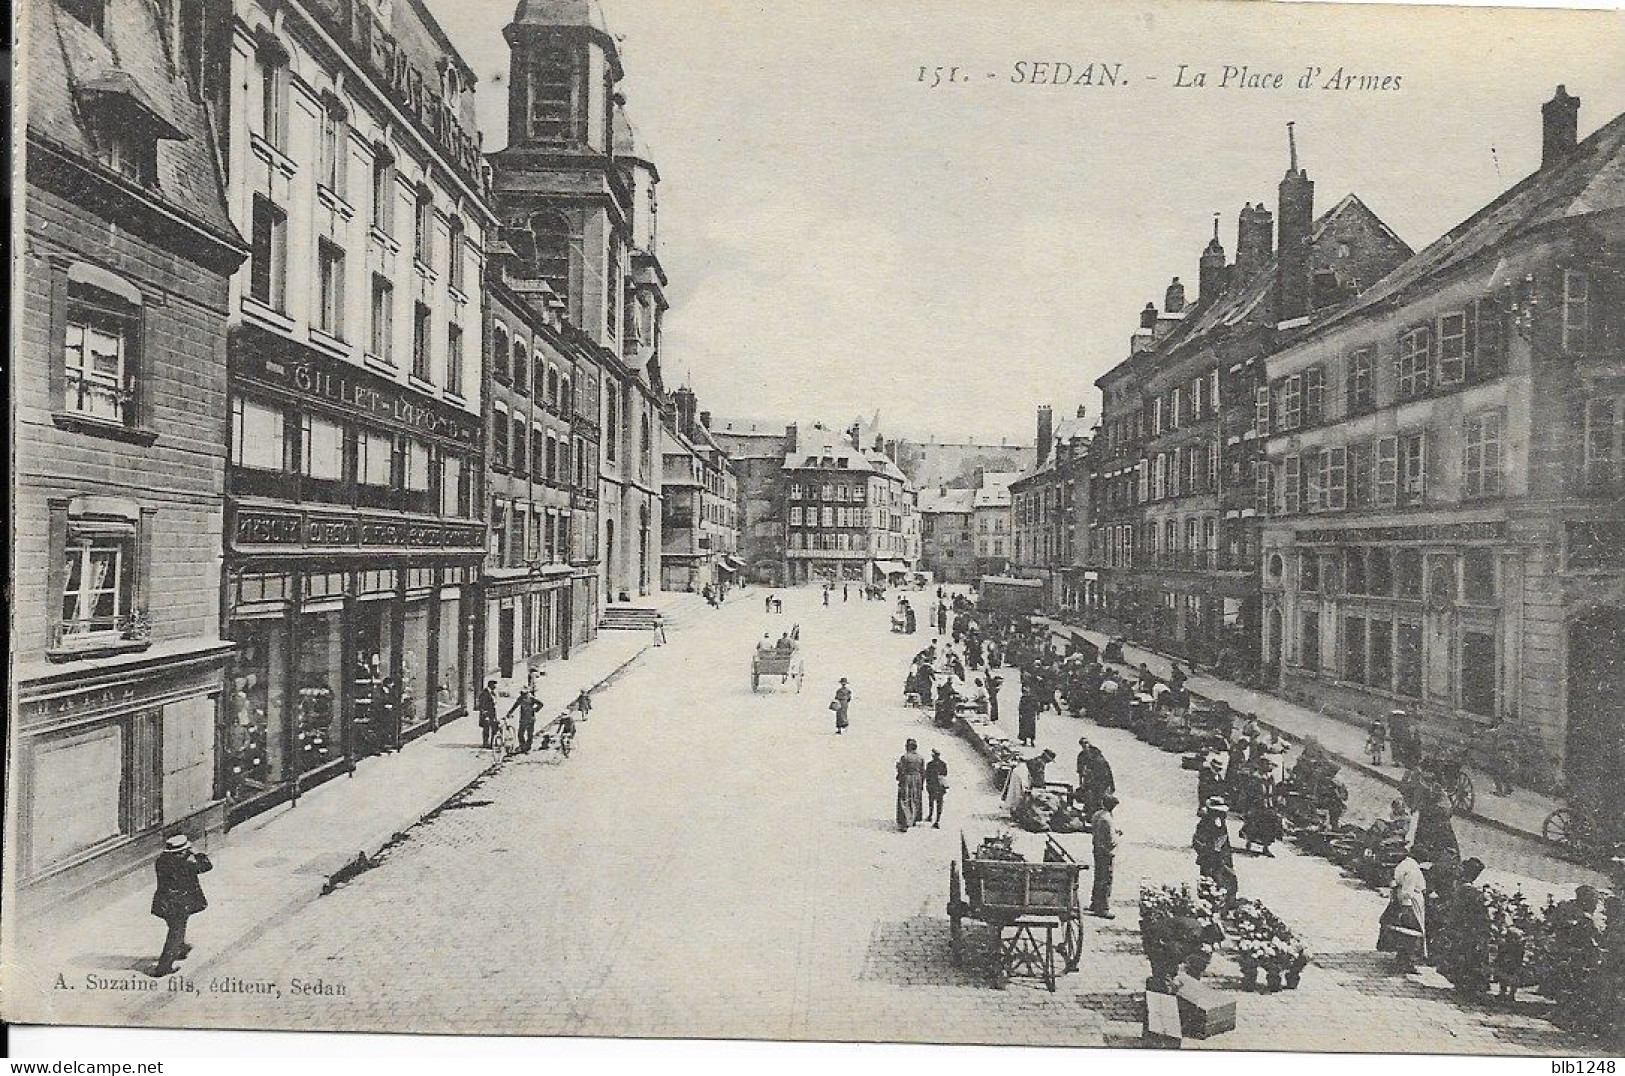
(1026, 903)
(782, 662)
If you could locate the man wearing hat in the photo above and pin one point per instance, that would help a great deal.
(1215, 859)
(1103, 828)
(178, 897)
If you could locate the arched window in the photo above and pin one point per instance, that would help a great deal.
(383, 188)
(553, 386)
(454, 253)
(521, 366)
(644, 446)
(499, 353)
(567, 402)
(550, 233)
(423, 233)
(552, 457)
(520, 446)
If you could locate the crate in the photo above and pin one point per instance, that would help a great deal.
(1203, 1011)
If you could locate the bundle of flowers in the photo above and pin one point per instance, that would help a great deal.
(1000, 847)
(1262, 941)
(1170, 940)
(1168, 901)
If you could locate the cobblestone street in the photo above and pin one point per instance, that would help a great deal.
(709, 863)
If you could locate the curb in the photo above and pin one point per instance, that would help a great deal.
(303, 896)
(1355, 764)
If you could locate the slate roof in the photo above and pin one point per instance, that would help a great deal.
(70, 62)
(951, 500)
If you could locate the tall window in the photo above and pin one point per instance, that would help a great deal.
(1478, 681)
(1576, 310)
(1413, 363)
(499, 439)
(1481, 456)
(551, 233)
(1359, 464)
(415, 465)
(1314, 394)
(420, 341)
(382, 344)
(1361, 390)
(1354, 649)
(1311, 639)
(96, 593)
(1408, 660)
(335, 148)
(1334, 482)
(520, 459)
(1292, 480)
(554, 112)
(454, 253)
(274, 96)
(98, 355)
(268, 268)
(1453, 349)
(1604, 439)
(499, 352)
(612, 293)
(519, 369)
(1413, 467)
(612, 426)
(258, 435)
(1387, 485)
(1261, 409)
(453, 493)
(383, 190)
(454, 360)
(1291, 402)
(330, 269)
(374, 458)
(423, 228)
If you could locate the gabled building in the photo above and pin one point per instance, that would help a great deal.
(577, 200)
(757, 450)
(1177, 541)
(1443, 480)
(700, 500)
(948, 534)
(1049, 509)
(846, 509)
(992, 522)
(121, 730)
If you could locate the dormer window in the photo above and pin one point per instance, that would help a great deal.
(126, 125)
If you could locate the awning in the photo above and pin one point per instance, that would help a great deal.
(891, 567)
(729, 564)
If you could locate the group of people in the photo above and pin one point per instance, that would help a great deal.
(528, 705)
(921, 787)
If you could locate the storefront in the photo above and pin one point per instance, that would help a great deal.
(110, 760)
(351, 569)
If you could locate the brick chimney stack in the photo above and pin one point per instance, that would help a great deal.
(1046, 432)
(1173, 300)
(1255, 240)
(1148, 316)
(1294, 285)
(1560, 127)
(1210, 279)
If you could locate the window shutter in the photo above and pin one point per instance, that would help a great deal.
(1336, 479)
(56, 574)
(1387, 471)
(1261, 405)
(141, 586)
(1293, 485)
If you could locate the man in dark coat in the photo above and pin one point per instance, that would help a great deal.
(178, 897)
(486, 707)
(527, 704)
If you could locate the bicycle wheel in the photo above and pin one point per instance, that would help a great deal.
(1559, 827)
(1462, 797)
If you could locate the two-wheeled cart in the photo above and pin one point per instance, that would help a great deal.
(1028, 904)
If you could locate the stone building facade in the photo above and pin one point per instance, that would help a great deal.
(846, 509)
(1049, 510)
(948, 534)
(120, 666)
(700, 498)
(577, 200)
(757, 450)
(1444, 526)
(354, 528)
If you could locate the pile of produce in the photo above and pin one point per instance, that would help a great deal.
(1263, 942)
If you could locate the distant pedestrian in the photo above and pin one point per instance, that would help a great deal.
(486, 707)
(910, 787)
(936, 788)
(844, 593)
(767, 603)
(527, 704)
(826, 596)
(1376, 741)
(1103, 827)
(993, 685)
(841, 704)
(660, 630)
(1027, 718)
(584, 704)
(178, 897)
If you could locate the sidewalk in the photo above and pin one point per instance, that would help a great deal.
(1522, 813)
(271, 866)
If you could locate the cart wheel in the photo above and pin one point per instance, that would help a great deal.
(956, 940)
(1072, 941)
(1462, 797)
(1049, 960)
(1559, 827)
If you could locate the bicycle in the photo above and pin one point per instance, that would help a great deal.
(502, 739)
(559, 736)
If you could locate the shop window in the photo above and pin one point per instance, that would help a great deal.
(258, 435)
(375, 459)
(256, 747)
(1380, 668)
(1408, 660)
(1310, 644)
(1354, 649)
(268, 254)
(383, 190)
(100, 352)
(382, 344)
(1407, 573)
(1481, 456)
(1441, 568)
(322, 448)
(1478, 680)
(330, 270)
(1478, 575)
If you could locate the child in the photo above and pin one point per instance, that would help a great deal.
(1376, 741)
(583, 705)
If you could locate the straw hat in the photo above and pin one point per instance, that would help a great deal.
(180, 842)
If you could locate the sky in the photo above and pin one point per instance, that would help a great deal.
(842, 237)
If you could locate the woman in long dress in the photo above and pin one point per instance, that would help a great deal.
(1404, 921)
(840, 704)
(1023, 776)
(910, 786)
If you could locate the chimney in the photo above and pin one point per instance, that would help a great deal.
(790, 438)
(1148, 316)
(1080, 410)
(705, 419)
(1173, 300)
(1560, 123)
(1046, 432)
(1210, 279)
(1294, 272)
(684, 400)
(1255, 240)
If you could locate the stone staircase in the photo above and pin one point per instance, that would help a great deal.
(673, 607)
(621, 616)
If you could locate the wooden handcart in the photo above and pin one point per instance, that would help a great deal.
(786, 665)
(1027, 904)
